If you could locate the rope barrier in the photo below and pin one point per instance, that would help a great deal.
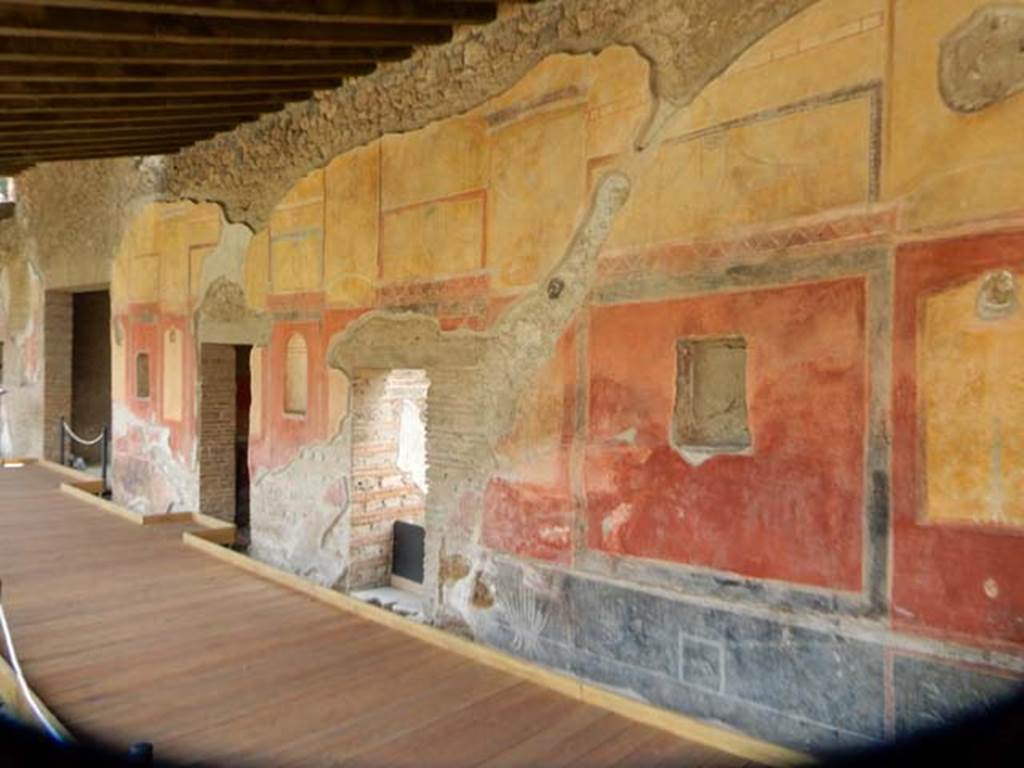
(29, 697)
(81, 440)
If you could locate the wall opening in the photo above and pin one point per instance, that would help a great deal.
(225, 397)
(142, 376)
(710, 414)
(77, 379)
(243, 405)
(90, 371)
(296, 376)
(389, 478)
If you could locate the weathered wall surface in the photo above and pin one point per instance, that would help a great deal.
(840, 571)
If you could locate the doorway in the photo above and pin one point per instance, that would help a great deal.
(225, 397)
(390, 485)
(77, 378)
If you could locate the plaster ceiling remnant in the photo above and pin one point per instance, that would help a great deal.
(981, 62)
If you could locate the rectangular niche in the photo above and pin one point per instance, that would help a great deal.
(142, 375)
(710, 415)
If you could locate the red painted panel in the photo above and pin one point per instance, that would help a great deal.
(144, 328)
(143, 338)
(792, 510)
(287, 433)
(939, 571)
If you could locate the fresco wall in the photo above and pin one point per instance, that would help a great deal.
(837, 571)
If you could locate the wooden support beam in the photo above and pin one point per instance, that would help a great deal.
(270, 103)
(122, 145)
(72, 72)
(97, 51)
(227, 116)
(353, 11)
(44, 21)
(180, 136)
(35, 157)
(143, 89)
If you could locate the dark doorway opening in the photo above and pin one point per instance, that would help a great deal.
(225, 391)
(243, 403)
(90, 373)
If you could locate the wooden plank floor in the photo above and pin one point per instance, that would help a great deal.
(130, 636)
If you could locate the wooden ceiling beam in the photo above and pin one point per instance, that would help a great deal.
(351, 11)
(45, 21)
(147, 89)
(64, 72)
(89, 140)
(15, 133)
(84, 153)
(209, 117)
(98, 51)
(256, 102)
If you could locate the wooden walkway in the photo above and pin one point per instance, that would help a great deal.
(128, 635)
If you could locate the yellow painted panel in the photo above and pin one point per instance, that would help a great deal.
(800, 164)
(173, 369)
(257, 270)
(933, 145)
(256, 392)
(351, 228)
(295, 262)
(619, 101)
(833, 45)
(537, 194)
(296, 238)
(972, 384)
(174, 269)
(440, 160)
(142, 275)
(203, 225)
(431, 240)
(298, 218)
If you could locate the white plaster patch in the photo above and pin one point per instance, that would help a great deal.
(613, 523)
(991, 587)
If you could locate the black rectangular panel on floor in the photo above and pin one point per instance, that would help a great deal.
(407, 552)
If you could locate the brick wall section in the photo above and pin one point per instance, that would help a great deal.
(217, 431)
(381, 492)
(57, 344)
(90, 392)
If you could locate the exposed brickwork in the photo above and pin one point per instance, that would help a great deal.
(57, 344)
(217, 392)
(382, 492)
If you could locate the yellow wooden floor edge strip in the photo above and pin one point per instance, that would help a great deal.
(216, 530)
(731, 742)
(79, 479)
